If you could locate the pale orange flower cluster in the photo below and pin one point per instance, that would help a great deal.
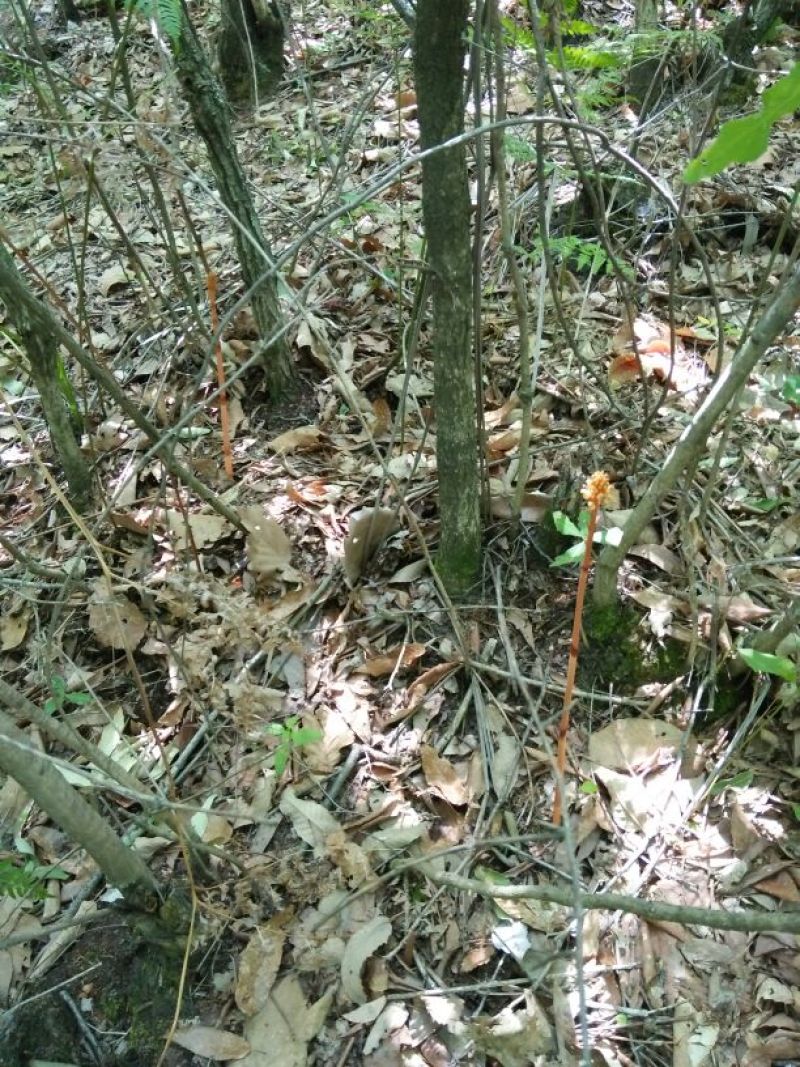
(597, 491)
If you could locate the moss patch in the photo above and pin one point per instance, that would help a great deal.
(613, 651)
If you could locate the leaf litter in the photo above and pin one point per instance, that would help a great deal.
(332, 946)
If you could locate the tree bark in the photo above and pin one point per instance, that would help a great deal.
(46, 322)
(31, 322)
(693, 439)
(209, 111)
(37, 775)
(250, 49)
(439, 51)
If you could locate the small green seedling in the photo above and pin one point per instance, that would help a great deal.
(290, 737)
(27, 880)
(60, 697)
(567, 528)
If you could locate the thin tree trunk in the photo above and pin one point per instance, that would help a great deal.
(209, 111)
(37, 775)
(250, 49)
(30, 321)
(693, 439)
(439, 50)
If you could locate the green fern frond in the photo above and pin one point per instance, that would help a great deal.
(168, 16)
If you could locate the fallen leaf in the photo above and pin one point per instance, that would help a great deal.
(363, 944)
(203, 528)
(443, 778)
(13, 627)
(310, 821)
(399, 657)
(212, 1043)
(368, 528)
(115, 620)
(298, 439)
(114, 278)
(278, 1034)
(258, 968)
(626, 744)
(268, 548)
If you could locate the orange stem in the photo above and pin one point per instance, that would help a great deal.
(224, 421)
(572, 666)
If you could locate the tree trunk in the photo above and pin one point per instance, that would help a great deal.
(31, 322)
(693, 440)
(250, 49)
(439, 50)
(209, 112)
(38, 776)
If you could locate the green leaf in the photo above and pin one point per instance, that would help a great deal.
(281, 758)
(588, 787)
(796, 810)
(764, 505)
(745, 139)
(79, 698)
(739, 781)
(306, 735)
(791, 389)
(572, 555)
(564, 524)
(783, 97)
(739, 141)
(766, 663)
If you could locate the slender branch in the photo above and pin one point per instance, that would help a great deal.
(745, 920)
(780, 310)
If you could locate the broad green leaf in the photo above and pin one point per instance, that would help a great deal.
(766, 663)
(791, 389)
(745, 139)
(588, 787)
(564, 524)
(739, 141)
(572, 555)
(783, 97)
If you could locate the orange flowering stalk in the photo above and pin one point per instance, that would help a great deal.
(597, 493)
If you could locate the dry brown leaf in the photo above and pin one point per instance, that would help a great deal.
(280, 1032)
(399, 657)
(659, 556)
(535, 507)
(368, 528)
(429, 678)
(114, 278)
(258, 967)
(204, 528)
(298, 439)
(268, 548)
(115, 620)
(443, 778)
(626, 744)
(310, 821)
(13, 627)
(363, 944)
(211, 1043)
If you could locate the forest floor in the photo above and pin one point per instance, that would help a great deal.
(343, 737)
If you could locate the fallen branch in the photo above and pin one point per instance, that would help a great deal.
(746, 920)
